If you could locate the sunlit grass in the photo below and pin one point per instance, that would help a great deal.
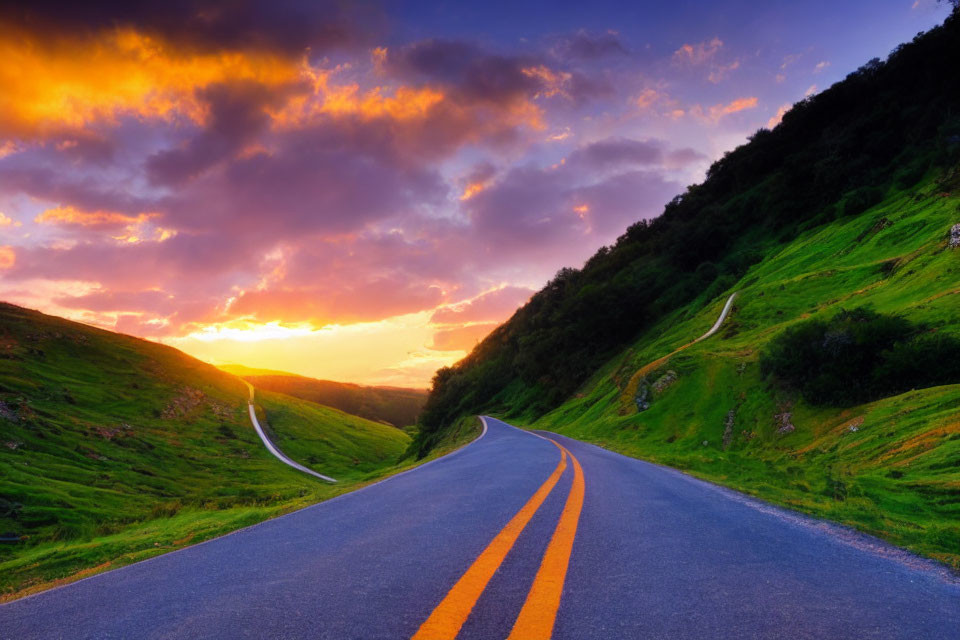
(121, 449)
(889, 467)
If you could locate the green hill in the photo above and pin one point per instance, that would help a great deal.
(846, 205)
(114, 449)
(394, 405)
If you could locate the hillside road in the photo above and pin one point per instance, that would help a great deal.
(518, 535)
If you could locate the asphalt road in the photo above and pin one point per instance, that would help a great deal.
(480, 544)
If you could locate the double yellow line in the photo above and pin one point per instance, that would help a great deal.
(539, 611)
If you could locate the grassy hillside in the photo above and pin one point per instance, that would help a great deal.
(114, 449)
(394, 405)
(353, 450)
(889, 467)
(840, 214)
(834, 155)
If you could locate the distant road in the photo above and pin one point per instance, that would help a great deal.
(514, 533)
(652, 366)
(272, 448)
(723, 316)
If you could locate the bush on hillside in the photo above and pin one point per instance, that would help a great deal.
(860, 356)
(862, 199)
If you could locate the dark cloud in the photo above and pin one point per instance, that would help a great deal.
(595, 195)
(283, 25)
(477, 76)
(681, 158)
(618, 152)
(481, 173)
(473, 73)
(184, 262)
(584, 45)
(47, 177)
(584, 88)
(236, 115)
(312, 184)
(526, 206)
(617, 202)
(87, 147)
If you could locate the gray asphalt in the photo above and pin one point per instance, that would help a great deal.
(657, 555)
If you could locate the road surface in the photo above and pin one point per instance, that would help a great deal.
(513, 536)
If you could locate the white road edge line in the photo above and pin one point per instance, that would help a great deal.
(279, 455)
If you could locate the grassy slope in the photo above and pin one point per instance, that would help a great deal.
(114, 449)
(394, 405)
(354, 449)
(895, 473)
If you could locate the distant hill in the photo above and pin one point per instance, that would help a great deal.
(113, 449)
(394, 405)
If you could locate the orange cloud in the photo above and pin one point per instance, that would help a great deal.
(7, 221)
(697, 54)
(347, 100)
(70, 216)
(740, 104)
(7, 257)
(67, 83)
(720, 71)
(473, 189)
(553, 82)
(775, 120)
(419, 106)
(716, 112)
(647, 99)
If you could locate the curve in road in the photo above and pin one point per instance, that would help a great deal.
(272, 448)
(723, 316)
(655, 553)
(634, 381)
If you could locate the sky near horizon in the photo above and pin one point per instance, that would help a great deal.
(362, 191)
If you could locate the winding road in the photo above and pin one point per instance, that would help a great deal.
(518, 535)
(272, 448)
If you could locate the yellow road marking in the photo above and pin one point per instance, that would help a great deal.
(447, 619)
(539, 612)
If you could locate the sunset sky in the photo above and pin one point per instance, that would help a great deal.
(361, 191)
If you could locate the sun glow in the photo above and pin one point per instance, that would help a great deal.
(395, 351)
(252, 333)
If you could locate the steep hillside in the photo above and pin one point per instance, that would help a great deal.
(834, 155)
(889, 467)
(394, 405)
(113, 449)
(841, 214)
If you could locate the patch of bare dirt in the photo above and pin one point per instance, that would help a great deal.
(184, 403)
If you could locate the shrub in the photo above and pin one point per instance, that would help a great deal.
(861, 199)
(910, 174)
(859, 356)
